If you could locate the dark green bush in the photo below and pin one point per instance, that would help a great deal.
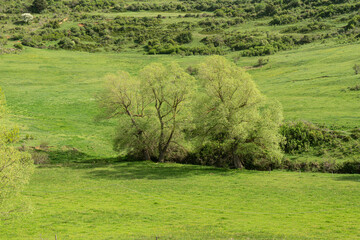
(54, 24)
(349, 167)
(38, 6)
(283, 19)
(18, 46)
(301, 136)
(184, 37)
(66, 43)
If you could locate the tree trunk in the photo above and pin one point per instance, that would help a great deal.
(147, 155)
(237, 161)
(161, 156)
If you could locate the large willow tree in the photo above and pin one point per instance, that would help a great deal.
(15, 167)
(235, 123)
(223, 118)
(153, 110)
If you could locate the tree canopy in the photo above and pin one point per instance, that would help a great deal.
(221, 119)
(234, 120)
(153, 109)
(15, 167)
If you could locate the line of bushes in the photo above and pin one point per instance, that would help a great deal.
(298, 138)
(351, 167)
(221, 8)
(327, 166)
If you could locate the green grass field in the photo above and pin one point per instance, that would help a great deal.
(143, 200)
(51, 94)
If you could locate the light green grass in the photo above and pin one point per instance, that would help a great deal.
(144, 200)
(310, 83)
(52, 93)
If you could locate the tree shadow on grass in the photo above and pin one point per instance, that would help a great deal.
(352, 178)
(118, 168)
(67, 156)
(153, 171)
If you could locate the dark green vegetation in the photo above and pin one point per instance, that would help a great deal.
(181, 27)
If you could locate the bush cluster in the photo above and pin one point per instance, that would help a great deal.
(351, 167)
(304, 136)
(97, 33)
(260, 43)
(311, 27)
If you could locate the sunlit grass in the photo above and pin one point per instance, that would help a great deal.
(144, 200)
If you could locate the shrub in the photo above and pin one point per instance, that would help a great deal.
(18, 46)
(283, 19)
(185, 37)
(301, 136)
(38, 6)
(53, 24)
(32, 41)
(44, 145)
(350, 167)
(192, 70)
(11, 136)
(356, 68)
(262, 62)
(27, 17)
(66, 43)
(40, 158)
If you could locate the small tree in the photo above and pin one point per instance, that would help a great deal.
(15, 167)
(38, 6)
(356, 68)
(153, 109)
(27, 17)
(234, 119)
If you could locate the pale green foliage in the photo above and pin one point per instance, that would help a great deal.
(233, 122)
(234, 117)
(123, 99)
(153, 109)
(15, 168)
(27, 17)
(169, 90)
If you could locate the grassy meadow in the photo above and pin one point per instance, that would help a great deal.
(51, 94)
(86, 191)
(144, 200)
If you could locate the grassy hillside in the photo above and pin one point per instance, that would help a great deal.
(51, 93)
(52, 68)
(147, 201)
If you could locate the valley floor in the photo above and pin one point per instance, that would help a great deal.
(144, 200)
